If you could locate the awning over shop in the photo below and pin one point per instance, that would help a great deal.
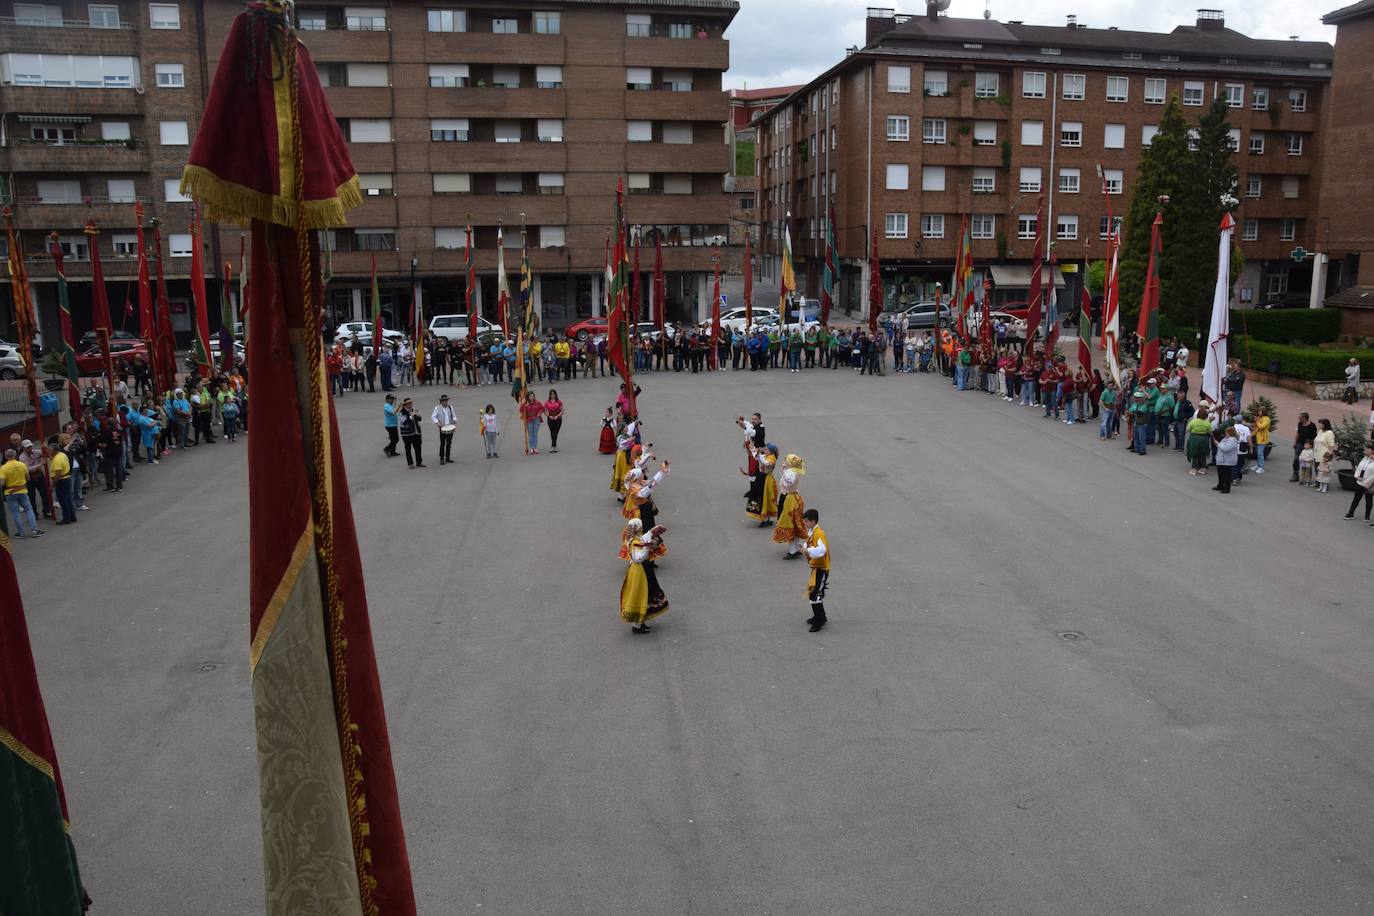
(55, 118)
(1014, 276)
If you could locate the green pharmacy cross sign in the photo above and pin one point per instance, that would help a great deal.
(1300, 254)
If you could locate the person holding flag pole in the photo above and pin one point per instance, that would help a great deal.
(226, 319)
(472, 360)
(201, 346)
(1148, 328)
(788, 284)
(660, 296)
(417, 325)
(65, 350)
(715, 361)
(1214, 359)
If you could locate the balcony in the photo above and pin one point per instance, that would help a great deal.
(488, 101)
(489, 209)
(692, 53)
(75, 157)
(375, 210)
(373, 157)
(1273, 205)
(676, 157)
(498, 157)
(64, 100)
(349, 47)
(489, 48)
(1277, 162)
(661, 209)
(359, 101)
(61, 40)
(662, 105)
(31, 214)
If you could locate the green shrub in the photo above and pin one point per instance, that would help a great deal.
(1312, 326)
(1308, 363)
(1169, 328)
(1352, 435)
(1262, 405)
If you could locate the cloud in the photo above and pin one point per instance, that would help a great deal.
(781, 42)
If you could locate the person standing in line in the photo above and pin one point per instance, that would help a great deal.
(1304, 436)
(1324, 447)
(444, 418)
(1364, 484)
(370, 368)
(60, 467)
(1260, 441)
(408, 423)
(390, 425)
(1197, 450)
(532, 413)
(1228, 452)
(818, 555)
(15, 475)
(491, 428)
(553, 411)
(229, 410)
(386, 362)
(1352, 382)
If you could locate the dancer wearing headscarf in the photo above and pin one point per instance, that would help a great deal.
(641, 598)
(791, 528)
(762, 502)
(639, 493)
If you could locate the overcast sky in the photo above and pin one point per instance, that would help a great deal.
(781, 42)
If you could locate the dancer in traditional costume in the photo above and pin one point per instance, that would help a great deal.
(754, 438)
(639, 493)
(762, 502)
(790, 529)
(641, 598)
(818, 554)
(607, 444)
(622, 464)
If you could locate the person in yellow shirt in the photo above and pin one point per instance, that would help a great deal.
(818, 555)
(1261, 440)
(15, 475)
(60, 469)
(562, 352)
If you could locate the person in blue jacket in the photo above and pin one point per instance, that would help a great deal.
(148, 428)
(390, 423)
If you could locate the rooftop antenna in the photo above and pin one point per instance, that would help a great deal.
(987, 9)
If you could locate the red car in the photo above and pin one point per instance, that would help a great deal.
(587, 328)
(92, 362)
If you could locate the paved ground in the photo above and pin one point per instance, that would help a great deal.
(1202, 747)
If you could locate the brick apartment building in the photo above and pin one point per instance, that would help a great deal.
(454, 113)
(938, 117)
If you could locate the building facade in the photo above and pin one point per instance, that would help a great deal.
(491, 115)
(940, 118)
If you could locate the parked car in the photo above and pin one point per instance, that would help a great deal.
(91, 339)
(350, 329)
(1285, 301)
(591, 327)
(920, 315)
(12, 362)
(733, 319)
(240, 353)
(1016, 327)
(455, 327)
(92, 362)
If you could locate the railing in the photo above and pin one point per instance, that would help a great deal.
(15, 400)
(129, 142)
(62, 24)
(88, 201)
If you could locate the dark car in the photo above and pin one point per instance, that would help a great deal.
(90, 339)
(1285, 301)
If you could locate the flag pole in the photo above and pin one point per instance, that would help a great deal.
(23, 317)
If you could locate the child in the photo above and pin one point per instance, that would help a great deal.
(229, 411)
(607, 445)
(1324, 471)
(491, 428)
(818, 556)
(1306, 458)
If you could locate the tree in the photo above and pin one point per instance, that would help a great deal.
(1214, 177)
(1096, 278)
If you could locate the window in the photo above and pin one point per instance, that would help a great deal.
(179, 244)
(378, 184)
(1254, 187)
(1294, 144)
(511, 240)
(1249, 230)
(552, 236)
(448, 21)
(1074, 86)
(1256, 144)
(1032, 133)
(1030, 180)
(898, 79)
(896, 225)
(1147, 134)
(59, 192)
(932, 225)
(639, 78)
(1297, 99)
(638, 25)
(1288, 230)
(1104, 228)
(1114, 136)
(1112, 180)
(171, 191)
(677, 184)
(1233, 139)
(448, 130)
(365, 18)
(1192, 92)
(114, 130)
(677, 131)
(548, 77)
(125, 245)
(120, 190)
(936, 83)
(1194, 137)
(897, 178)
(505, 77)
(51, 133)
(1154, 91)
(679, 30)
(550, 182)
(1026, 225)
(311, 21)
(503, 26)
(507, 131)
(173, 133)
(932, 177)
(1118, 88)
(164, 16)
(1290, 187)
(638, 183)
(367, 75)
(984, 133)
(363, 130)
(547, 22)
(898, 128)
(450, 238)
(1066, 226)
(1259, 99)
(677, 80)
(170, 76)
(550, 130)
(509, 184)
(1169, 58)
(375, 239)
(985, 86)
(1050, 52)
(639, 131)
(452, 183)
(982, 226)
(1277, 282)
(984, 180)
(1235, 95)
(933, 130)
(834, 138)
(1068, 181)
(35, 14)
(103, 17)
(1071, 133)
(448, 76)
(1032, 85)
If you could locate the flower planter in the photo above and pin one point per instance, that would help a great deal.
(1347, 479)
(54, 384)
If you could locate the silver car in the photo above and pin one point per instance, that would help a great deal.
(920, 315)
(11, 361)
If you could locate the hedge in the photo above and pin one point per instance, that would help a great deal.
(1283, 326)
(1307, 363)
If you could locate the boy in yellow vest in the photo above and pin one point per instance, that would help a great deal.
(818, 554)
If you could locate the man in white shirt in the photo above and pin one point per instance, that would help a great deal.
(443, 416)
(1243, 434)
(1181, 356)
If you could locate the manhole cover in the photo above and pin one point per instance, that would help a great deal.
(1071, 635)
(209, 666)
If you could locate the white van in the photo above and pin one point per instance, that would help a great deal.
(455, 327)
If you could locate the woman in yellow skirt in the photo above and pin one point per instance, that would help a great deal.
(622, 464)
(762, 502)
(641, 598)
(791, 528)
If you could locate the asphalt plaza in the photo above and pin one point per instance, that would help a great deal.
(1058, 677)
